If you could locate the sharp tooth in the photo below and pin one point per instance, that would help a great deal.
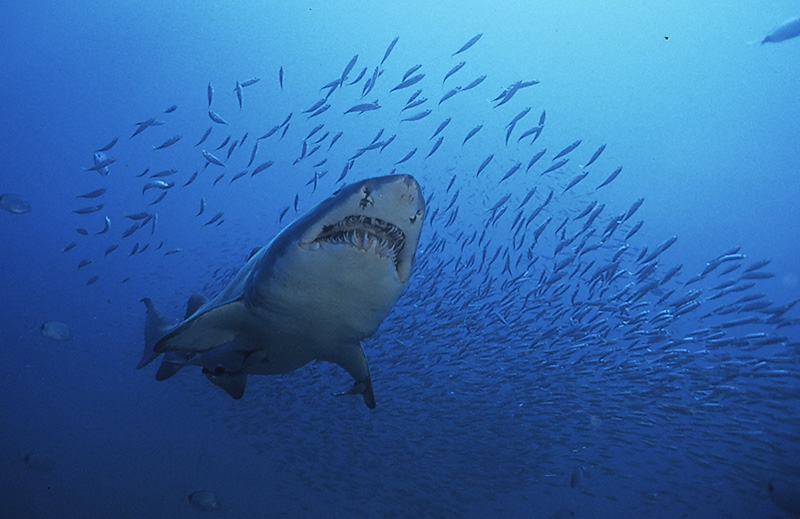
(310, 245)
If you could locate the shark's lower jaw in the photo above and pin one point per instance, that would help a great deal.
(365, 233)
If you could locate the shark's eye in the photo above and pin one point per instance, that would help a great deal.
(413, 219)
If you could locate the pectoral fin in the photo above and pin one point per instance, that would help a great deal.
(204, 331)
(233, 384)
(353, 360)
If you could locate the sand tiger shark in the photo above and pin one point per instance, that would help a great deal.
(314, 292)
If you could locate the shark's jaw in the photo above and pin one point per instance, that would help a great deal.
(368, 234)
(380, 216)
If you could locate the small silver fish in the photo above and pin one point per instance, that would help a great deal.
(89, 209)
(14, 204)
(101, 163)
(216, 118)
(167, 143)
(212, 159)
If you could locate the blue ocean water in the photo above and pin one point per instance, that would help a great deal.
(536, 366)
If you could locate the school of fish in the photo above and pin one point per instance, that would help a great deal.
(540, 332)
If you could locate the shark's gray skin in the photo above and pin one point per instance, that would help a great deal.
(314, 292)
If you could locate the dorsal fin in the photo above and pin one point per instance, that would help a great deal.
(194, 303)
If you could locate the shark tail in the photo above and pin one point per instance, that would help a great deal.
(155, 327)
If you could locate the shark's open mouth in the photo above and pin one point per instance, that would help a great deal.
(365, 233)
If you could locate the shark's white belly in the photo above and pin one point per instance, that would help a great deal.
(318, 302)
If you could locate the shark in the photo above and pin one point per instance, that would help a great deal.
(313, 293)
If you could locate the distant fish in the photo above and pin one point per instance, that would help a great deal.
(106, 226)
(250, 82)
(210, 91)
(475, 82)
(142, 126)
(450, 94)
(167, 143)
(407, 157)
(471, 134)
(160, 184)
(101, 163)
(469, 44)
(359, 77)
(69, 246)
(223, 143)
(389, 49)
(280, 77)
(109, 145)
(93, 194)
(413, 80)
(453, 70)
(441, 127)
(555, 166)
(411, 71)
(165, 173)
(261, 167)
(56, 331)
(348, 69)
(14, 204)
(170, 109)
(239, 175)
(611, 177)
(485, 163)
(212, 159)
(204, 500)
(567, 150)
(418, 116)
(238, 91)
(214, 218)
(89, 209)
(205, 136)
(216, 118)
(364, 107)
(785, 31)
(595, 156)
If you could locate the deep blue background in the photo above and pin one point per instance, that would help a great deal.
(704, 124)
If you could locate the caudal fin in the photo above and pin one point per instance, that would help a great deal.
(156, 326)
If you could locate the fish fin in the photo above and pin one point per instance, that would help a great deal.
(362, 387)
(172, 363)
(156, 326)
(194, 303)
(353, 360)
(233, 384)
(204, 331)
